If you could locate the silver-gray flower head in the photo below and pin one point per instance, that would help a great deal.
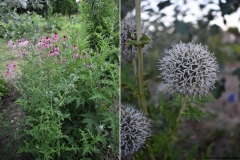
(135, 129)
(128, 32)
(189, 69)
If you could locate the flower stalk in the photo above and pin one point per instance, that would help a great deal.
(140, 65)
(140, 55)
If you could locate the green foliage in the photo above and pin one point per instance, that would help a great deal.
(69, 102)
(101, 22)
(8, 12)
(23, 27)
(3, 87)
(65, 7)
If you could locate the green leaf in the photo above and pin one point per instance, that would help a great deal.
(208, 152)
(194, 112)
(192, 153)
(161, 143)
(132, 43)
(145, 39)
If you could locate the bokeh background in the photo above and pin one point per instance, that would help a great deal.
(215, 23)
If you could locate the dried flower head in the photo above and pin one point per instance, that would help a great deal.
(135, 129)
(129, 32)
(189, 69)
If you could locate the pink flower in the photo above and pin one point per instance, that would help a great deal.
(47, 39)
(56, 48)
(76, 55)
(47, 44)
(51, 54)
(14, 46)
(55, 37)
(10, 43)
(7, 73)
(55, 52)
(64, 38)
(10, 67)
(23, 42)
(75, 47)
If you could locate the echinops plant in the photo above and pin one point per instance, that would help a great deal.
(187, 69)
(135, 129)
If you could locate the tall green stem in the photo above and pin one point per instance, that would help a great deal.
(140, 75)
(135, 74)
(178, 119)
(140, 56)
(179, 115)
(140, 65)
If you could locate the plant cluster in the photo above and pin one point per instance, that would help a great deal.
(68, 90)
(101, 21)
(65, 7)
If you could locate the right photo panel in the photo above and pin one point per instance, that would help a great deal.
(180, 74)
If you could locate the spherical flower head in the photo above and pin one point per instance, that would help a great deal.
(189, 69)
(232, 98)
(135, 129)
(129, 32)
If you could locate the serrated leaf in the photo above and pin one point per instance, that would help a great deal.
(208, 152)
(192, 153)
(194, 112)
(161, 143)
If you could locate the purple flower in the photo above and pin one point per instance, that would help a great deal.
(232, 97)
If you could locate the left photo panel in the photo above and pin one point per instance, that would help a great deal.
(59, 79)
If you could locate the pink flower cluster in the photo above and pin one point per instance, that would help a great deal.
(55, 51)
(10, 67)
(48, 45)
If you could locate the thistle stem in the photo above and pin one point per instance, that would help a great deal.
(140, 65)
(135, 74)
(177, 120)
(179, 115)
(140, 56)
(182, 108)
(140, 76)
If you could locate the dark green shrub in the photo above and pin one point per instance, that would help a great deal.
(65, 7)
(3, 87)
(101, 18)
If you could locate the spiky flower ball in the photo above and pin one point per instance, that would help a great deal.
(135, 129)
(129, 32)
(189, 69)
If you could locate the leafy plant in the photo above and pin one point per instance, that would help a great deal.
(3, 87)
(68, 92)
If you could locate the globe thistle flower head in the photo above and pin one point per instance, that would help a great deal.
(135, 129)
(232, 98)
(188, 69)
(129, 32)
